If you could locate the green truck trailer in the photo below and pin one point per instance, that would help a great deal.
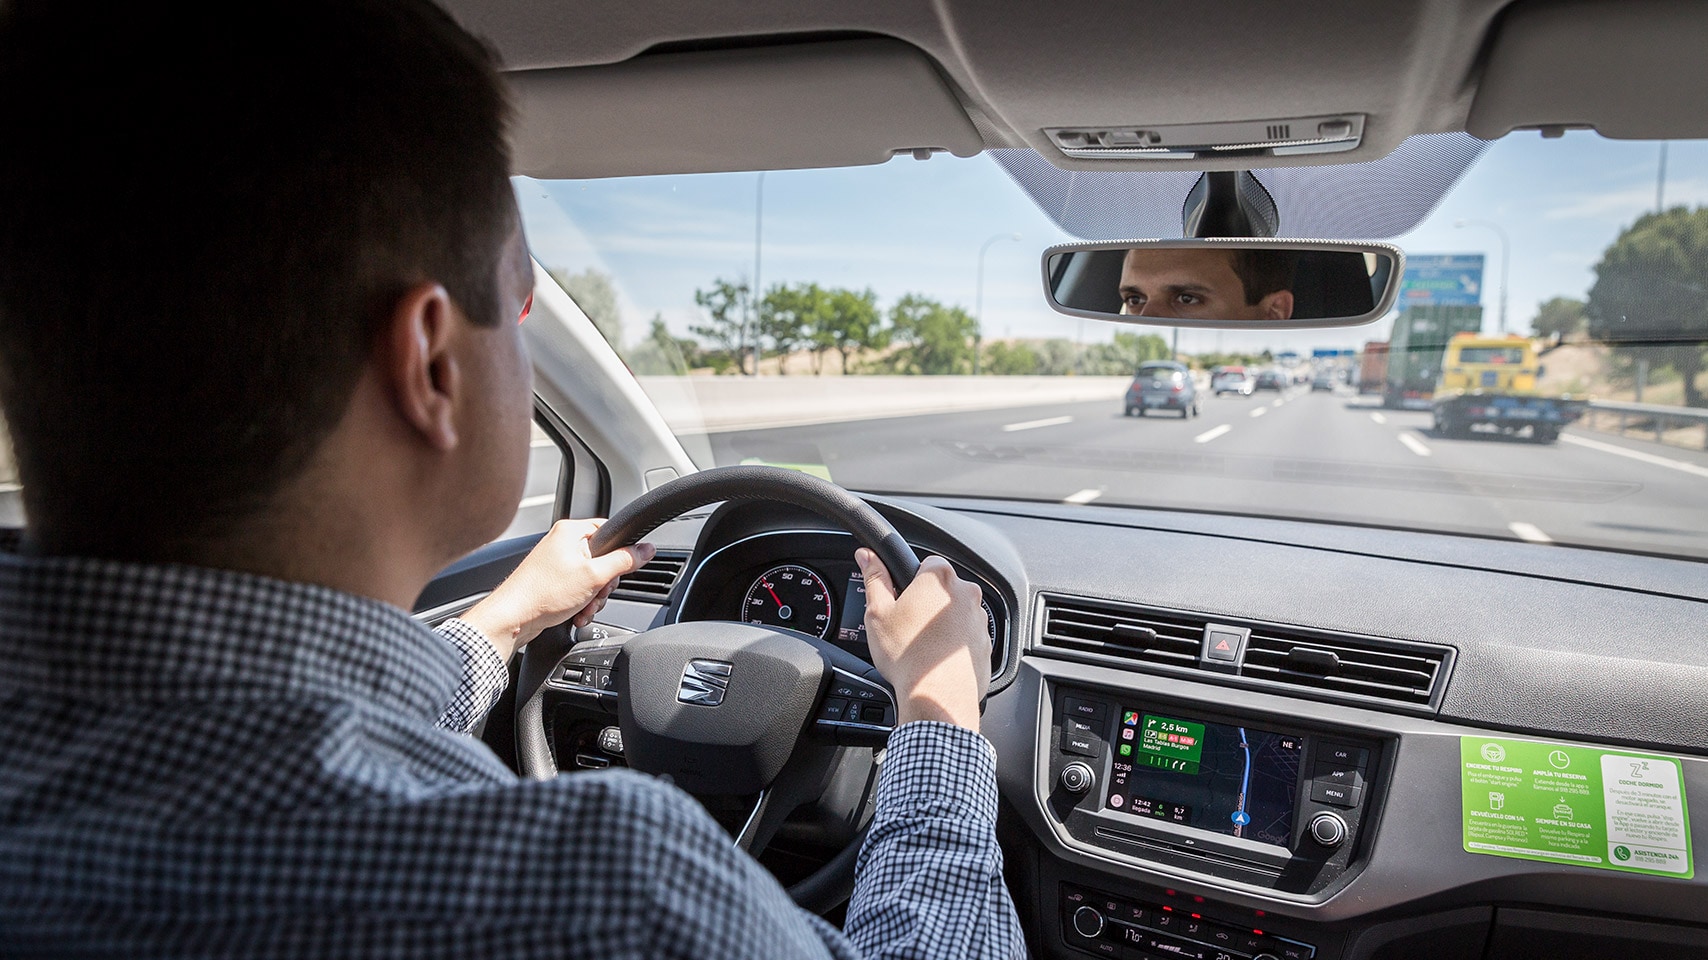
(1415, 349)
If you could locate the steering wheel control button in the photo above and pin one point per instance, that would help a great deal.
(1334, 793)
(1077, 778)
(1328, 830)
(573, 673)
(1090, 711)
(1088, 923)
(611, 741)
(834, 709)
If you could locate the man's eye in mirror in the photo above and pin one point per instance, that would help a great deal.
(1277, 284)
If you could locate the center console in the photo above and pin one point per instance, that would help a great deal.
(1262, 801)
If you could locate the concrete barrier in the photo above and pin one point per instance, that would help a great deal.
(693, 405)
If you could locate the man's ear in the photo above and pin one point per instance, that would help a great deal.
(418, 365)
(1278, 305)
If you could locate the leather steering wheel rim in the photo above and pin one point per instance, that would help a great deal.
(832, 882)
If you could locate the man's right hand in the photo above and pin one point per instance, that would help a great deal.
(932, 642)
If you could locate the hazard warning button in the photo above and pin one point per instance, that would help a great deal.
(1223, 643)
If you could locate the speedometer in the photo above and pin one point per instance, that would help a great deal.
(789, 596)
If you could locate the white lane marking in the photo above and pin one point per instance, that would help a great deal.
(1414, 445)
(10, 487)
(1636, 455)
(1211, 434)
(1260, 411)
(1278, 402)
(1378, 418)
(1529, 532)
(1084, 496)
(543, 500)
(1035, 424)
(537, 444)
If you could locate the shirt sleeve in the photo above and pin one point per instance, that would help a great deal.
(929, 879)
(484, 676)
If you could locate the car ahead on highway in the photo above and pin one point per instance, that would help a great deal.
(1392, 695)
(1162, 385)
(1322, 381)
(1231, 380)
(1272, 380)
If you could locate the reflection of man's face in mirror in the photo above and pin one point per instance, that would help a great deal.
(1187, 284)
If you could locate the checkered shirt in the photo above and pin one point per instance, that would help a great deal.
(202, 763)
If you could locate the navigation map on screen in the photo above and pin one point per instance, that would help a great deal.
(1240, 781)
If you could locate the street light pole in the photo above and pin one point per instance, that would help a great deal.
(978, 298)
(1505, 259)
(754, 295)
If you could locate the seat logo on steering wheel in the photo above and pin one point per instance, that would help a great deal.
(704, 682)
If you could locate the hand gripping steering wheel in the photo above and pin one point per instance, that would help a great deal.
(734, 708)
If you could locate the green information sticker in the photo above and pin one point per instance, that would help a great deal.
(1561, 803)
(1171, 744)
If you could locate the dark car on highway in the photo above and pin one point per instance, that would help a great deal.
(1162, 385)
(1272, 380)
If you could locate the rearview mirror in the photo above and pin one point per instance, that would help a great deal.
(1227, 284)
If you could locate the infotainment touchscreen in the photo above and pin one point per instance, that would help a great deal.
(1240, 781)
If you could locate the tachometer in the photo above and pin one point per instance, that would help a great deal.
(789, 596)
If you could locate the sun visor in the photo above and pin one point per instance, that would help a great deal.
(1631, 69)
(827, 104)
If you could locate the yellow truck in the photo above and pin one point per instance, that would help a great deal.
(1491, 382)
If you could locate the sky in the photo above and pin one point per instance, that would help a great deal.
(910, 226)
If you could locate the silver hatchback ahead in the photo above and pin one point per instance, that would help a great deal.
(1162, 385)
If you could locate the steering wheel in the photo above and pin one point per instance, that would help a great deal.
(731, 709)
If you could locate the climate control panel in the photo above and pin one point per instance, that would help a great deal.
(1110, 926)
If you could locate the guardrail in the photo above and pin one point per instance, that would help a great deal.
(1672, 425)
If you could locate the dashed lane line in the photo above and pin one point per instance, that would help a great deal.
(1278, 401)
(1211, 434)
(1528, 532)
(1619, 451)
(1414, 445)
(1084, 496)
(1035, 424)
(544, 499)
(1260, 411)
(1378, 418)
(537, 444)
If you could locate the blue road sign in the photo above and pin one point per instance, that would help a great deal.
(1442, 279)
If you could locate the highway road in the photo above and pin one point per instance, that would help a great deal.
(1332, 456)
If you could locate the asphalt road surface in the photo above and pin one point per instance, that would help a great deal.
(1335, 456)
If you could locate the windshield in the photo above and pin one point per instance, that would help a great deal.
(903, 345)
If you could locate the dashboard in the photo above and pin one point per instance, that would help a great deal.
(1229, 738)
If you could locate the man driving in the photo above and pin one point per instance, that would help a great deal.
(1207, 284)
(261, 362)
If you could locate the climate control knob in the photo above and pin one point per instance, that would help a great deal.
(1088, 923)
(1077, 777)
(1327, 829)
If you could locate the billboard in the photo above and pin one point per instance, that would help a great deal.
(1442, 280)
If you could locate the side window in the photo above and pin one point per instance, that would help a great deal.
(539, 497)
(11, 499)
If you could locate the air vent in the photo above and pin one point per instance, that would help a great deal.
(1122, 630)
(652, 583)
(1399, 672)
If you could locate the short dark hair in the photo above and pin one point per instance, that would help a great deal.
(204, 219)
(1262, 272)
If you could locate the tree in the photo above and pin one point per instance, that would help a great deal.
(1003, 359)
(724, 327)
(851, 322)
(1124, 354)
(937, 339)
(788, 316)
(593, 293)
(663, 353)
(1058, 356)
(1559, 318)
(1650, 301)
